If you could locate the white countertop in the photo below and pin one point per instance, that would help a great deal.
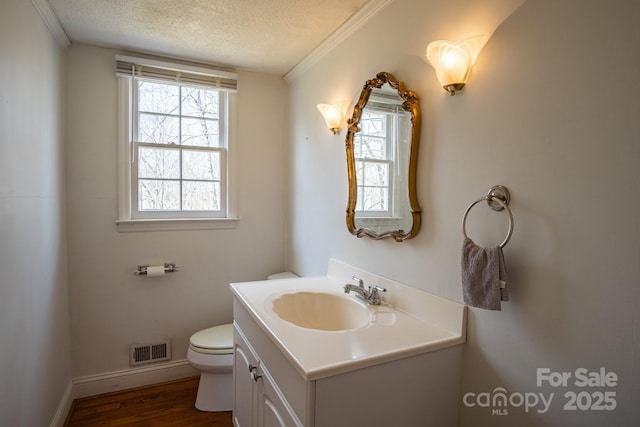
(392, 334)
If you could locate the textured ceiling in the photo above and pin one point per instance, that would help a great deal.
(259, 35)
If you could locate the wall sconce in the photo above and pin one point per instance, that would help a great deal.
(453, 61)
(332, 114)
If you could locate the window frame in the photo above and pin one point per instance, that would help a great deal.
(136, 212)
(389, 160)
(129, 217)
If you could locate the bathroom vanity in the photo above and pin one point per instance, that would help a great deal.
(307, 354)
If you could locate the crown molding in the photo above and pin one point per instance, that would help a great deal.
(51, 21)
(350, 26)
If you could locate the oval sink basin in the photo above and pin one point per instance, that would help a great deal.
(321, 310)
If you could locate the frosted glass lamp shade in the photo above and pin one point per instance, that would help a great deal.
(453, 61)
(332, 114)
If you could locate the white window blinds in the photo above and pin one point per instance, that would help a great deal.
(128, 66)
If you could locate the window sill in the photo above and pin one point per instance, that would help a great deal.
(378, 219)
(134, 225)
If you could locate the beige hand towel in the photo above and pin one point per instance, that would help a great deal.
(484, 276)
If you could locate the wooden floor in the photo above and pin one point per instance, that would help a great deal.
(164, 405)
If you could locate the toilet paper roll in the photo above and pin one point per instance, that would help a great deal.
(155, 270)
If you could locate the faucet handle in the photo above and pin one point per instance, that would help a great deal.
(374, 295)
(358, 280)
(375, 289)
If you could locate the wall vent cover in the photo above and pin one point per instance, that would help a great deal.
(148, 353)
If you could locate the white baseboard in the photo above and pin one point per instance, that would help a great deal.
(92, 385)
(63, 408)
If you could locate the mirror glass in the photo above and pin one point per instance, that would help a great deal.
(382, 147)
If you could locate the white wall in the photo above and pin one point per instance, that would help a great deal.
(110, 307)
(552, 112)
(35, 368)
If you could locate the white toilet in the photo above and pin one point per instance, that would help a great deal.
(211, 352)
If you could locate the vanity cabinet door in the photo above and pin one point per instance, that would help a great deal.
(244, 362)
(272, 409)
(257, 402)
(267, 390)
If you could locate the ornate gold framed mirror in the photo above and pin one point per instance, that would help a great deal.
(382, 142)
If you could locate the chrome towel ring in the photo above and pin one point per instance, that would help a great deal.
(497, 198)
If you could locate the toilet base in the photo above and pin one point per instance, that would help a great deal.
(215, 392)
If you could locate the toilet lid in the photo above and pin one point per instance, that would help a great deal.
(215, 338)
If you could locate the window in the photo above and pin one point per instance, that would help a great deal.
(374, 162)
(177, 141)
(179, 150)
(383, 140)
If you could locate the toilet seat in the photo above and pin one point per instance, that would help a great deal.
(215, 340)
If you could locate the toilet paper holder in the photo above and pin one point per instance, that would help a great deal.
(169, 267)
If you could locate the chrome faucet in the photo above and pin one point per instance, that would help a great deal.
(371, 295)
